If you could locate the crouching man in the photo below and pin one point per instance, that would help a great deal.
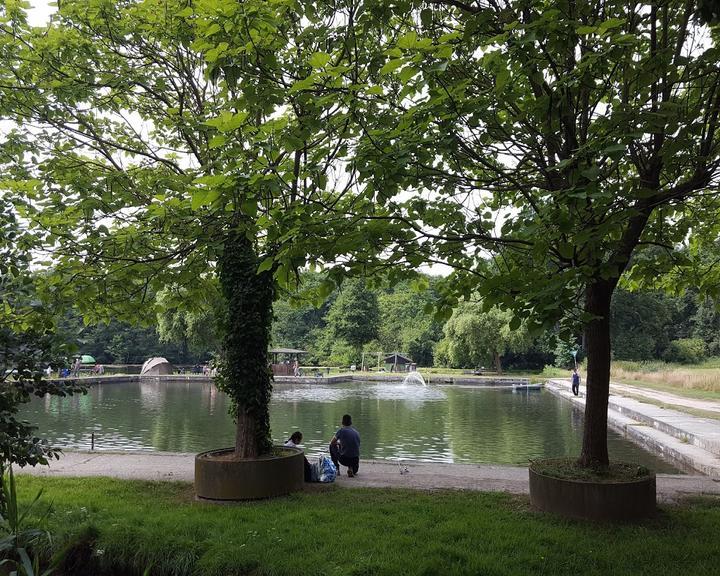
(345, 447)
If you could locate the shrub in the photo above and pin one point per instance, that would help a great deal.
(686, 351)
(564, 354)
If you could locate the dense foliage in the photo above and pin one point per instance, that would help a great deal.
(28, 344)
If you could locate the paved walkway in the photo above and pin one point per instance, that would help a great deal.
(690, 440)
(667, 397)
(373, 473)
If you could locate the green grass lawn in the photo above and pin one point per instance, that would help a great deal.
(330, 531)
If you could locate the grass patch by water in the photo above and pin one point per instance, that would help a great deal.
(360, 532)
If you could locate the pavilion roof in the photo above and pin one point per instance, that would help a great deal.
(396, 358)
(287, 351)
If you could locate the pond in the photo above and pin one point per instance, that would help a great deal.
(433, 423)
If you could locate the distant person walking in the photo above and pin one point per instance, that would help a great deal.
(575, 382)
(345, 447)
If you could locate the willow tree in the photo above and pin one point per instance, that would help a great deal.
(169, 142)
(547, 151)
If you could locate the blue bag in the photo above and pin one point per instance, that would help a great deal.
(327, 470)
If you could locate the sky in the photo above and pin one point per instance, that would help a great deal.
(40, 11)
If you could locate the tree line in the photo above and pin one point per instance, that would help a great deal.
(359, 320)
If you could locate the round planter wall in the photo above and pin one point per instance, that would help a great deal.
(606, 501)
(220, 478)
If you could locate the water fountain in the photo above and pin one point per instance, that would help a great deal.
(414, 378)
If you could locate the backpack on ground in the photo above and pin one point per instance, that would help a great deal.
(326, 469)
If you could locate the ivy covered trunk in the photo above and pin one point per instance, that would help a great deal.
(245, 375)
(597, 339)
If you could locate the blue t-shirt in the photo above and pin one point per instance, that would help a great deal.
(349, 439)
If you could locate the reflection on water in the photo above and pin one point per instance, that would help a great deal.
(439, 424)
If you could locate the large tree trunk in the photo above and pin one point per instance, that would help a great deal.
(245, 446)
(597, 338)
(498, 362)
(245, 375)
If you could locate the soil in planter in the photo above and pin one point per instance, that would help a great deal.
(569, 469)
(229, 456)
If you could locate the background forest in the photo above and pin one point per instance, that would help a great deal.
(357, 318)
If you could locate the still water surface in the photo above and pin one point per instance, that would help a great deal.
(435, 424)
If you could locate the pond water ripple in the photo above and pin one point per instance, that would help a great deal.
(396, 421)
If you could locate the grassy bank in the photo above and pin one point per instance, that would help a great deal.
(697, 381)
(365, 531)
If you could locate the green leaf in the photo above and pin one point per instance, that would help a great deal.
(501, 79)
(408, 40)
(217, 141)
(392, 65)
(304, 84)
(591, 173)
(612, 23)
(203, 198)
(249, 208)
(407, 73)
(319, 59)
(227, 121)
(266, 264)
(212, 29)
(585, 30)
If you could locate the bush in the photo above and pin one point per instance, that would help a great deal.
(564, 354)
(686, 351)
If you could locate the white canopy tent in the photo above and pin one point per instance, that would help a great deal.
(156, 366)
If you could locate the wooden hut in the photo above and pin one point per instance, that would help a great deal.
(283, 360)
(396, 362)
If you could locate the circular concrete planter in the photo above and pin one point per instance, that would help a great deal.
(597, 501)
(220, 478)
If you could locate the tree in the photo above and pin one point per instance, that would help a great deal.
(298, 319)
(639, 323)
(177, 144)
(474, 337)
(405, 320)
(28, 344)
(354, 316)
(568, 145)
(194, 329)
(707, 325)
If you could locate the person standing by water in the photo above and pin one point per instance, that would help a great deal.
(345, 447)
(575, 381)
